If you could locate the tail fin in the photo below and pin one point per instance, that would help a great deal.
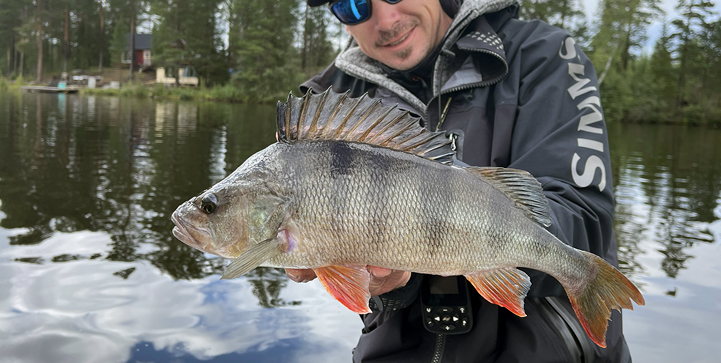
(608, 289)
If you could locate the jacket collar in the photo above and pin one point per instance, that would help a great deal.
(460, 36)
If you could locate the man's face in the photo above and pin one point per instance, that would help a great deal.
(401, 35)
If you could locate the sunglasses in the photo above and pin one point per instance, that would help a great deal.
(352, 12)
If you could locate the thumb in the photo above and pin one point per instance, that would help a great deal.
(379, 271)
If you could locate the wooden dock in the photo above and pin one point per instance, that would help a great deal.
(47, 89)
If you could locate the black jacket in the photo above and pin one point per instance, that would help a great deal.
(513, 94)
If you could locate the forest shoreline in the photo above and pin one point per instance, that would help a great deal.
(231, 94)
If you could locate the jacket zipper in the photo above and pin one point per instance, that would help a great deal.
(482, 83)
(438, 351)
(441, 117)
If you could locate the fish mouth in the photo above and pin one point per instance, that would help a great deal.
(185, 233)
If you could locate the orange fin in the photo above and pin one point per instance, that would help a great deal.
(347, 284)
(505, 287)
(607, 290)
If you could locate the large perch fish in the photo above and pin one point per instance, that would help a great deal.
(353, 183)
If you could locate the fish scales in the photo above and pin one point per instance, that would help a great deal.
(359, 204)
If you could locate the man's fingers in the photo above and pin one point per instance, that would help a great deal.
(300, 275)
(379, 271)
(382, 279)
(391, 280)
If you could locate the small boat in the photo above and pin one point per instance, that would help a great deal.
(48, 89)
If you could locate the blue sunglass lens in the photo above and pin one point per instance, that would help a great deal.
(351, 11)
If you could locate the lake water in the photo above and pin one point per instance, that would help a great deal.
(90, 272)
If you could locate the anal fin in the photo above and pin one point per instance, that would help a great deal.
(348, 285)
(505, 287)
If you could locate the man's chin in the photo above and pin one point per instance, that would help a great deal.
(403, 60)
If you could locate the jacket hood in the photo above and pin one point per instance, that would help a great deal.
(354, 62)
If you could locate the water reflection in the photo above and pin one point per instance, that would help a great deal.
(668, 184)
(90, 271)
(85, 312)
(118, 169)
(668, 224)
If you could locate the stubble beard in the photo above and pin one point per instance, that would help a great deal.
(404, 54)
(399, 28)
(385, 36)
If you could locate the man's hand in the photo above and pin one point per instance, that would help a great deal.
(382, 279)
(385, 279)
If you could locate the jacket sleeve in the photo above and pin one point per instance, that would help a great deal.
(560, 137)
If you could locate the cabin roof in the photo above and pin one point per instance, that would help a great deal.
(142, 41)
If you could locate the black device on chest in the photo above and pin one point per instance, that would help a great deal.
(446, 305)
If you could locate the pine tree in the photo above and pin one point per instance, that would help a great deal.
(663, 72)
(622, 28)
(712, 54)
(564, 14)
(187, 35)
(13, 14)
(317, 50)
(268, 63)
(693, 22)
(40, 15)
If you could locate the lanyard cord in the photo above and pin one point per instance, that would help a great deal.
(442, 116)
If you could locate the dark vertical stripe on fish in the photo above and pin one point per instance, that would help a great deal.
(384, 194)
(438, 195)
(382, 163)
(381, 192)
(339, 156)
(342, 157)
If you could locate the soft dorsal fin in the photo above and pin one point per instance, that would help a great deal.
(336, 116)
(521, 187)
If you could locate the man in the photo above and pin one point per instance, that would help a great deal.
(509, 93)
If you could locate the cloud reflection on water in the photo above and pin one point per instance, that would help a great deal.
(78, 311)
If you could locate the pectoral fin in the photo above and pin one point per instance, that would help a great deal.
(252, 258)
(347, 284)
(505, 287)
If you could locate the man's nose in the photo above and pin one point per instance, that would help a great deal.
(385, 14)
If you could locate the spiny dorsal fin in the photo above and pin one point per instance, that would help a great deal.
(336, 116)
(521, 187)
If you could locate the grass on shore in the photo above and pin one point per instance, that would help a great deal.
(6, 84)
(226, 93)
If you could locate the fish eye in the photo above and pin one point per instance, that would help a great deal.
(209, 203)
